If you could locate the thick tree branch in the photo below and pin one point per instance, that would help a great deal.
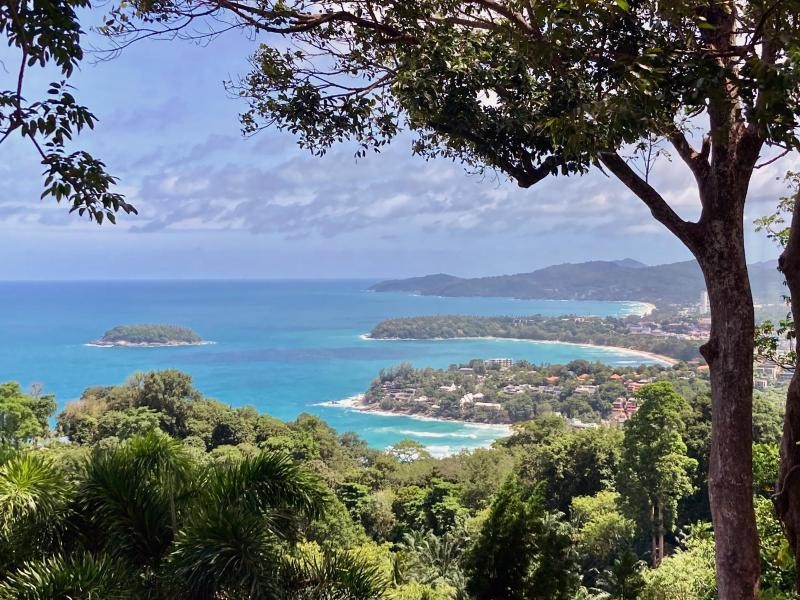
(532, 174)
(696, 161)
(659, 208)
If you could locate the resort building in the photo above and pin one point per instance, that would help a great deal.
(491, 405)
(503, 363)
(623, 409)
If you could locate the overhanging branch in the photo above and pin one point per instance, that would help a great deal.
(661, 211)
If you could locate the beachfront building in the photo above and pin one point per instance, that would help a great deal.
(471, 398)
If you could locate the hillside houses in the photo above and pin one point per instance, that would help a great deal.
(623, 409)
(589, 393)
(688, 328)
(767, 373)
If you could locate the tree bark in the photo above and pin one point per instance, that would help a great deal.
(660, 525)
(653, 538)
(787, 497)
(717, 242)
(729, 353)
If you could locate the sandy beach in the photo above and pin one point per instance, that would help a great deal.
(649, 308)
(100, 344)
(357, 403)
(667, 360)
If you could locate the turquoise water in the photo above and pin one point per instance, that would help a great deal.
(281, 346)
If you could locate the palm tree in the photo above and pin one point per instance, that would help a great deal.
(436, 559)
(78, 577)
(153, 523)
(35, 499)
(333, 576)
(240, 522)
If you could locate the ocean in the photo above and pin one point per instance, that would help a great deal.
(285, 347)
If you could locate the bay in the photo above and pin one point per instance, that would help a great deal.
(284, 347)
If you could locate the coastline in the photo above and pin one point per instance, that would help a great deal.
(667, 360)
(101, 344)
(649, 308)
(357, 403)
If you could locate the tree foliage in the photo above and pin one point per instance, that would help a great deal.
(23, 416)
(655, 470)
(47, 35)
(523, 550)
(295, 510)
(143, 515)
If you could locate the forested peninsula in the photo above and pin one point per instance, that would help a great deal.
(608, 331)
(149, 336)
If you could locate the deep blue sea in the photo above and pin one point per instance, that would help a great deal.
(281, 346)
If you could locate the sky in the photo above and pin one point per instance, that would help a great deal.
(214, 204)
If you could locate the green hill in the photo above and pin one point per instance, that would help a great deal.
(675, 283)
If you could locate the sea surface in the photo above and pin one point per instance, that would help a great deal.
(284, 347)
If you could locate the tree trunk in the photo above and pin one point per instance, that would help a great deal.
(722, 170)
(653, 538)
(787, 498)
(729, 353)
(660, 527)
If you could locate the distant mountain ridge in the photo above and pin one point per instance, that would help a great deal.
(627, 279)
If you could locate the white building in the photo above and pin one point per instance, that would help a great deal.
(503, 363)
(703, 307)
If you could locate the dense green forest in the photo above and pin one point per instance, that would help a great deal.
(148, 489)
(149, 334)
(608, 331)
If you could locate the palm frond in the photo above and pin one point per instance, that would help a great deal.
(75, 578)
(225, 549)
(130, 495)
(161, 458)
(34, 502)
(268, 482)
(334, 576)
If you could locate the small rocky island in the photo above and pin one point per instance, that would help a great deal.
(149, 336)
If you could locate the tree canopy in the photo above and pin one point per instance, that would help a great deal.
(530, 88)
(23, 416)
(654, 469)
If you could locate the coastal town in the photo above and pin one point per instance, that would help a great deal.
(587, 395)
(500, 390)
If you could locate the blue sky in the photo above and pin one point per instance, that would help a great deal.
(216, 205)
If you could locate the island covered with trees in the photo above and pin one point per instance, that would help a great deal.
(176, 495)
(681, 343)
(149, 336)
